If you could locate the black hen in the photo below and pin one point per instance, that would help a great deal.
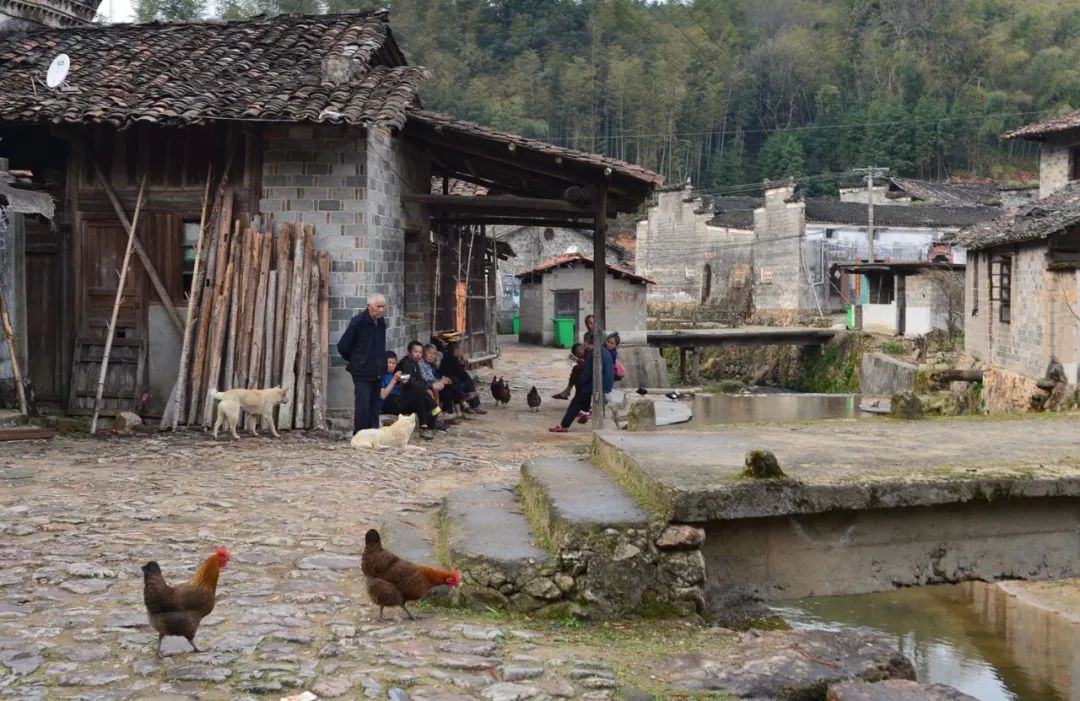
(502, 392)
(533, 398)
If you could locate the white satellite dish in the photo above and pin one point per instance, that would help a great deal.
(58, 70)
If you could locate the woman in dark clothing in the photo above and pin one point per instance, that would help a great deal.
(453, 367)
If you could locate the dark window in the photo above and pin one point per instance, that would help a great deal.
(830, 233)
(706, 283)
(1003, 283)
(187, 254)
(974, 284)
(549, 234)
(1074, 163)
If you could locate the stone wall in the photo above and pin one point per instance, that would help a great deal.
(691, 261)
(883, 376)
(1055, 164)
(347, 183)
(1043, 322)
(778, 228)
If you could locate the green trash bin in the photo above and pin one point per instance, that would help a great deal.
(517, 324)
(850, 316)
(564, 333)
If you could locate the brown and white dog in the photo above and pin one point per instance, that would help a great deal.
(256, 402)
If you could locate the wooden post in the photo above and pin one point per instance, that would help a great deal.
(148, 265)
(16, 374)
(176, 400)
(268, 332)
(115, 310)
(217, 333)
(599, 304)
(292, 333)
(258, 323)
(284, 284)
(218, 261)
(302, 342)
(316, 419)
(240, 246)
(324, 332)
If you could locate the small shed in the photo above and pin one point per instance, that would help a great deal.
(562, 288)
(907, 299)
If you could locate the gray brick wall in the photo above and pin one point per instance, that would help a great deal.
(348, 183)
(1055, 165)
(780, 283)
(1043, 324)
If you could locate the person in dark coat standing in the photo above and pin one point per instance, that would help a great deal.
(363, 346)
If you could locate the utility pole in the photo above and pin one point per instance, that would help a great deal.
(870, 173)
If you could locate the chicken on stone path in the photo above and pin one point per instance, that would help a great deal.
(179, 610)
(392, 581)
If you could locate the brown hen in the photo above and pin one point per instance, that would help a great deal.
(392, 581)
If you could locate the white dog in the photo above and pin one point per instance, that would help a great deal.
(256, 402)
(396, 435)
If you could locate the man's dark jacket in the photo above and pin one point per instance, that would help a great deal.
(363, 345)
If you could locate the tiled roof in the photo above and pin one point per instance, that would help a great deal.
(453, 124)
(570, 259)
(948, 194)
(823, 211)
(1028, 223)
(625, 239)
(1064, 122)
(263, 69)
(738, 213)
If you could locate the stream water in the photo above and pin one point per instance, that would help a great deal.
(715, 409)
(971, 636)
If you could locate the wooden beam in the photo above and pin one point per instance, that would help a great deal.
(499, 204)
(151, 271)
(534, 162)
(599, 304)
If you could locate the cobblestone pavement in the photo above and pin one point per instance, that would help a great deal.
(79, 516)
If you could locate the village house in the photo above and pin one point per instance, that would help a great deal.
(316, 121)
(1022, 286)
(911, 192)
(779, 256)
(533, 244)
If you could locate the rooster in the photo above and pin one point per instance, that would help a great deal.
(179, 610)
(392, 581)
(495, 388)
(533, 399)
(502, 392)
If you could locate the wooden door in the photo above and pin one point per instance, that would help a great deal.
(101, 254)
(44, 295)
(568, 306)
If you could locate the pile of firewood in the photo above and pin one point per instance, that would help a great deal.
(258, 317)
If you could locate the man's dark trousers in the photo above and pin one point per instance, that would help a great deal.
(366, 409)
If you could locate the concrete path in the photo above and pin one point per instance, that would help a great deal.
(832, 463)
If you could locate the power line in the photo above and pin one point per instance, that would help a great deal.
(819, 127)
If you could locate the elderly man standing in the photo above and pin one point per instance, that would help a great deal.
(363, 346)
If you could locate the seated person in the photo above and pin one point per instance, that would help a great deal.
(415, 390)
(437, 384)
(390, 394)
(455, 367)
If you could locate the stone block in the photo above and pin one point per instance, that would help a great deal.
(678, 536)
(641, 415)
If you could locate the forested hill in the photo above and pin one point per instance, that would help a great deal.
(727, 92)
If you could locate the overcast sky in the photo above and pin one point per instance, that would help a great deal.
(117, 10)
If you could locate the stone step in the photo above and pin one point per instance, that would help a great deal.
(409, 540)
(484, 534)
(568, 500)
